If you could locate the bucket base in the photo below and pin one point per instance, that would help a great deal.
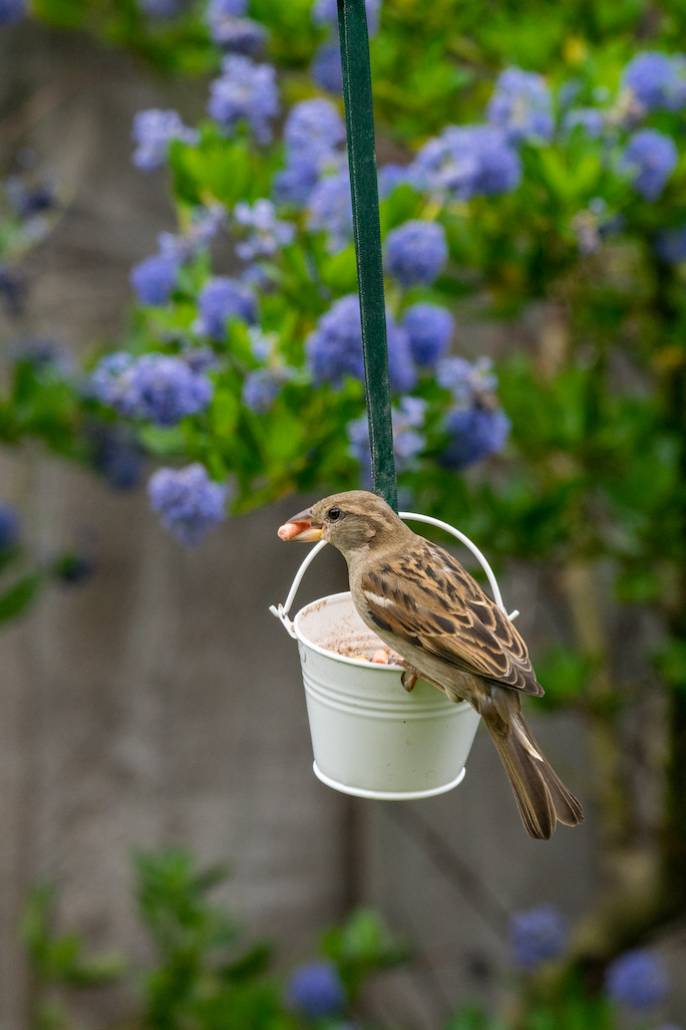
(388, 795)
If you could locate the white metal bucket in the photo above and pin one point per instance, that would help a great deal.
(369, 736)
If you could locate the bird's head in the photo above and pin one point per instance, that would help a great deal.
(351, 522)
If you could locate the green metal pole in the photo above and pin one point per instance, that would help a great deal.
(359, 118)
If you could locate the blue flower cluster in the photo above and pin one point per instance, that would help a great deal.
(164, 389)
(537, 935)
(205, 223)
(225, 9)
(154, 279)
(261, 343)
(315, 991)
(393, 175)
(588, 119)
(326, 67)
(220, 299)
(12, 11)
(467, 161)
(153, 131)
(314, 135)
(475, 433)
(9, 528)
(408, 419)
(200, 359)
(161, 8)
(294, 183)
(475, 427)
(468, 381)
(262, 387)
(638, 980)
(117, 456)
(430, 329)
(314, 126)
(408, 440)
(416, 253)
(231, 30)
(268, 233)
(334, 349)
(522, 106)
(246, 93)
(657, 81)
(330, 209)
(155, 387)
(650, 157)
(29, 196)
(187, 501)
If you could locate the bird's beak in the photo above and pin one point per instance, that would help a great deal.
(300, 528)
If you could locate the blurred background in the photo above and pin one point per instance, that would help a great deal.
(181, 371)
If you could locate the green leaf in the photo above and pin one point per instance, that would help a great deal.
(253, 963)
(564, 675)
(671, 663)
(473, 1018)
(362, 946)
(163, 442)
(61, 959)
(403, 204)
(638, 585)
(38, 912)
(339, 271)
(8, 556)
(19, 598)
(224, 413)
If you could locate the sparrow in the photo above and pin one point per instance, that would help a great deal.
(428, 609)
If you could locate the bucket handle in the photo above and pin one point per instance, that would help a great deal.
(281, 611)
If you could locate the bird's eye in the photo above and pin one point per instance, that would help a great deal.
(333, 514)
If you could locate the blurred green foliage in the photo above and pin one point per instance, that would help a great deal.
(203, 975)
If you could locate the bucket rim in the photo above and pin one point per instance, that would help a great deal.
(359, 663)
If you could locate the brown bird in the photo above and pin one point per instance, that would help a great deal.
(425, 606)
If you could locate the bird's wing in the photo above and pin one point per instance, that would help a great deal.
(425, 597)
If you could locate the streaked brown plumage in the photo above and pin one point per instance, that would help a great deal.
(425, 606)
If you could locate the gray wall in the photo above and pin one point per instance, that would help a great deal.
(161, 703)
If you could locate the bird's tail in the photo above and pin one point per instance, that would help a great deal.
(541, 796)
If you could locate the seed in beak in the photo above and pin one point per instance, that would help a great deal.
(300, 528)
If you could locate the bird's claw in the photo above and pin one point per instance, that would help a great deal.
(408, 678)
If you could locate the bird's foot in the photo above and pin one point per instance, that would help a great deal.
(409, 678)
